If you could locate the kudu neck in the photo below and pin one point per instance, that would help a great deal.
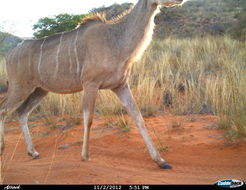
(137, 27)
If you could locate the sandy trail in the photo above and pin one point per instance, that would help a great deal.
(197, 151)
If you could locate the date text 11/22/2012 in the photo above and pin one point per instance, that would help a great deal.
(121, 187)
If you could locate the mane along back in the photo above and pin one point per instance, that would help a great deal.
(100, 17)
(97, 17)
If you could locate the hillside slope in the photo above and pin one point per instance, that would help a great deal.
(195, 18)
(7, 42)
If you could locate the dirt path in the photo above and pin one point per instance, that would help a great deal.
(196, 149)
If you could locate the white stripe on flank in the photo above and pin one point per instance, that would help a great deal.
(57, 55)
(18, 53)
(76, 51)
(1, 130)
(29, 61)
(70, 58)
(9, 58)
(40, 56)
(18, 56)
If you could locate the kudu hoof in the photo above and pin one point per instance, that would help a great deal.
(85, 159)
(165, 165)
(34, 155)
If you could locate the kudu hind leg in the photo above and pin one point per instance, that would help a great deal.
(23, 112)
(125, 95)
(89, 100)
(3, 113)
(13, 99)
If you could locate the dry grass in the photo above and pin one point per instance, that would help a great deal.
(61, 105)
(210, 70)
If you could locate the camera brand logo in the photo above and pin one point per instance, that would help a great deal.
(229, 183)
(12, 187)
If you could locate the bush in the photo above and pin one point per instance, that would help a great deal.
(239, 29)
(60, 23)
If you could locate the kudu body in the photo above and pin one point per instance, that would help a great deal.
(96, 55)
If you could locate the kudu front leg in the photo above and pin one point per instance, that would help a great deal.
(89, 99)
(125, 95)
(1, 135)
(30, 148)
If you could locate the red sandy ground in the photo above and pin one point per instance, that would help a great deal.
(197, 150)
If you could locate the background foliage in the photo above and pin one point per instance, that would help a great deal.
(60, 23)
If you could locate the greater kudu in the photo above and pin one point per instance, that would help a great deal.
(96, 55)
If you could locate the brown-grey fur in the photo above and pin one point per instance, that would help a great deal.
(96, 55)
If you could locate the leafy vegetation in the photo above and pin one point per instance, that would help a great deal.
(200, 18)
(238, 31)
(60, 23)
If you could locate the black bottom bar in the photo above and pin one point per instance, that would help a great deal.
(114, 187)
